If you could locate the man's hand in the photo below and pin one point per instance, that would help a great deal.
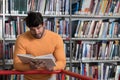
(40, 64)
(32, 65)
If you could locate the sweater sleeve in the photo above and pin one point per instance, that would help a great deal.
(59, 54)
(19, 49)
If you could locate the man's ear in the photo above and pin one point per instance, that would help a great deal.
(43, 24)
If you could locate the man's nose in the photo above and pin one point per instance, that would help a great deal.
(36, 31)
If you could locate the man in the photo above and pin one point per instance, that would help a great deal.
(38, 41)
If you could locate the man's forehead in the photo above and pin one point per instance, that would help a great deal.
(39, 26)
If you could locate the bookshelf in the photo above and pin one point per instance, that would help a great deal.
(95, 51)
(82, 13)
(12, 13)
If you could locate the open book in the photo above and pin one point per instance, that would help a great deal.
(49, 59)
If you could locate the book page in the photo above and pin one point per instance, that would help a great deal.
(46, 56)
(49, 59)
(25, 58)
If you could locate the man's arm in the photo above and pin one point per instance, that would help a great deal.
(60, 55)
(19, 48)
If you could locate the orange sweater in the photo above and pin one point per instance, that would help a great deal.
(50, 43)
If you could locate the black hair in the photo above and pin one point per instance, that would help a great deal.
(34, 19)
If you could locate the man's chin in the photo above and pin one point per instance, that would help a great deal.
(37, 37)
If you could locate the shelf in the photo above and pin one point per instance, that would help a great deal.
(94, 16)
(95, 39)
(95, 61)
(68, 16)
(7, 62)
(1, 15)
(21, 15)
(47, 16)
(100, 61)
(57, 16)
(13, 39)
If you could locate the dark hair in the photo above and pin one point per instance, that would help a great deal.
(34, 19)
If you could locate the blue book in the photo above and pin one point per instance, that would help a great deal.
(75, 7)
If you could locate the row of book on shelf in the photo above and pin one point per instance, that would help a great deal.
(12, 77)
(57, 7)
(109, 28)
(96, 7)
(101, 71)
(98, 71)
(15, 26)
(9, 49)
(96, 50)
(103, 28)
(85, 50)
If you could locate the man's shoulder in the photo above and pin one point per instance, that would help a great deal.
(24, 35)
(52, 33)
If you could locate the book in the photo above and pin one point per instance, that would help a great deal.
(1, 21)
(49, 59)
(74, 26)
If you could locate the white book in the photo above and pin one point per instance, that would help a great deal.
(67, 6)
(87, 69)
(91, 30)
(42, 8)
(101, 30)
(1, 24)
(49, 59)
(77, 30)
(117, 72)
(95, 7)
(107, 71)
(76, 53)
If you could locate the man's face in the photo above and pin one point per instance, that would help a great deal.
(37, 32)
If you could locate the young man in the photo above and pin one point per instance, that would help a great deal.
(38, 41)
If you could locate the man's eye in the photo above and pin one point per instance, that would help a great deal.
(38, 27)
(32, 29)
